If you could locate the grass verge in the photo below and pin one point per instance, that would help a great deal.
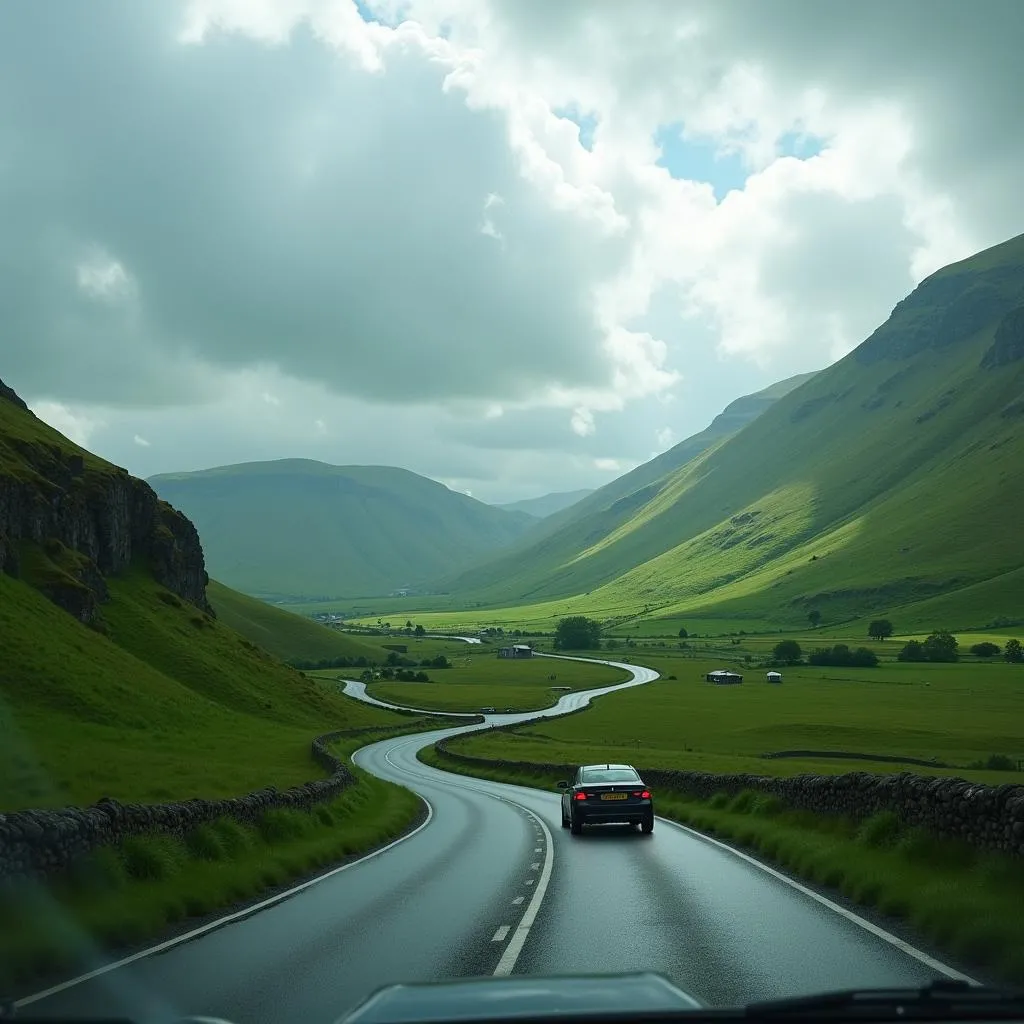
(122, 896)
(960, 899)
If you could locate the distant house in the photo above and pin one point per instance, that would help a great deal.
(723, 677)
(774, 677)
(516, 651)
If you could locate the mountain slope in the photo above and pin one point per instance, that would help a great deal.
(287, 636)
(115, 677)
(530, 569)
(891, 478)
(547, 504)
(299, 528)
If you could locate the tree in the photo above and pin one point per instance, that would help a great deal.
(419, 630)
(787, 651)
(578, 633)
(862, 657)
(912, 651)
(941, 646)
(1013, 651)
(815, 616)
(682, 634)
(985, 650)
(880, 629)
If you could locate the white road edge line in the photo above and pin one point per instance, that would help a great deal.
(515, 946)
(221, 921)
(499, 935)
(874, 929)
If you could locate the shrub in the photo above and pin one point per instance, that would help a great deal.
(279, 825)
(880, 829)
(151, 857)
(985, 650)
(911, 652)
(204, 843)
(233, 836)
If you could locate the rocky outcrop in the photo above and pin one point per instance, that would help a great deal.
(945, 309)
(89, 520)
(1008, 343)
(986, 817)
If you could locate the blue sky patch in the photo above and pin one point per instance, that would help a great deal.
(802, 146)
(586, 123)
(689, 160)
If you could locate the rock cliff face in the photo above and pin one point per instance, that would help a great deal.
(87, 520)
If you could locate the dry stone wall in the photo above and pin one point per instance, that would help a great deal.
(986, 817)
(36, 843)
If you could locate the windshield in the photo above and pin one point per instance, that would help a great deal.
(501, 489)
(609, 775)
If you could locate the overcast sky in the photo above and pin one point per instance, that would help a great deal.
(514, 245)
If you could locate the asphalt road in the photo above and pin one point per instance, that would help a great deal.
(491, 883)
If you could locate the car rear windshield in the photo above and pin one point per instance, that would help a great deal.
(610, 775)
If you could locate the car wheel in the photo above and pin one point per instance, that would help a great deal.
(575, 826)
(647, 827)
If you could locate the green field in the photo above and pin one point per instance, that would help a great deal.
(959, 714)
(484, 680)
(288, 636)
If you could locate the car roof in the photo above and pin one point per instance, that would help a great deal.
(586, 767)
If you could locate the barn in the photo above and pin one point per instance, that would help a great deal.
(516, 651)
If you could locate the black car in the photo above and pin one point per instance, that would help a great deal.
(606, 793)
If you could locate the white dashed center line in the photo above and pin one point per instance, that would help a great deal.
(518, 899)
(499, 935)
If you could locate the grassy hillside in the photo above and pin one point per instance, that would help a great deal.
(169, 704)
(889, 480)
(530, 569)
(288, 636)
(336, 531)
(157, 699)
(547, 504)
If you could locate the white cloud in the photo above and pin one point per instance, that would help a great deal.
(395, 226)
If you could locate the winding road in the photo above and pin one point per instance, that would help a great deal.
(490, 884)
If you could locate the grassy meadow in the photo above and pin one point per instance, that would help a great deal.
(959, 714)
(480, 679)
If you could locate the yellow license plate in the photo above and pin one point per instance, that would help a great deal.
(614, 796)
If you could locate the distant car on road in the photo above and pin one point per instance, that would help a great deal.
(606, 793)
(488, 711)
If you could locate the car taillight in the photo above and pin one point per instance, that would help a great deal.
(646, 794)
(581, 796)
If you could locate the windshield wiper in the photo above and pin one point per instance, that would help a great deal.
(944, 999)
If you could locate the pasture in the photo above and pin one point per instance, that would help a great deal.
(959, 714)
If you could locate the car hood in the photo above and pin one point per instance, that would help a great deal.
(487, 998)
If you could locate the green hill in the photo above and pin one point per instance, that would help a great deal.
(288, 636)
(303, 529)
(889, 480)
(547, 504)
(115, 678)
(529, 570)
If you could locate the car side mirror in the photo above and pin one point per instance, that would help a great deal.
(562, 784)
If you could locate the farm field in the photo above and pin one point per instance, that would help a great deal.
(478, 680)
(960, 715)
